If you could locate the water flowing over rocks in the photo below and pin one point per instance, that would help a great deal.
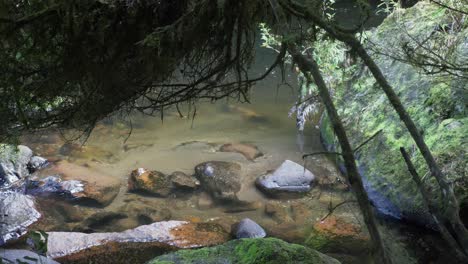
(145, 241)
(247, 228)
(24, 257)
(220, 178)
(17, 212)
(250, 152)
(290, 177)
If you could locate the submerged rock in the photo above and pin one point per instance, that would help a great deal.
(248, 251)
(220, 178)
(86, 186)
(290, 177)
(335, 235)
(53, 185)
(132, 246)
(24, 257)
(183, 181)
(250, 152)
(17, 212)
(151, 182)
(247, 228)
(99, 221)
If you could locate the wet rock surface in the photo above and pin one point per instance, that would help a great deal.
(183, 181)
(17, 212)
(290, 177)
(148, 240)
(259, 250)
(220, 178)
(149, 182)
(23, 257)
(247, 228)
(250, 152)
(86, 185)
(14, 163)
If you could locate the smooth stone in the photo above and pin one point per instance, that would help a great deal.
(37, 163)
(250, 152)
(183, 181)
(17, 212)
(247, 228)
(150, 182)
(290, 177)
(220, 178)
(24, 257)
(134, 245)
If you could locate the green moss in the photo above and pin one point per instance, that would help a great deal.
(263, 250)
(434, 102)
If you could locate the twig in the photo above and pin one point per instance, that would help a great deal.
(332, 209)
(367, 140)
(431, 208)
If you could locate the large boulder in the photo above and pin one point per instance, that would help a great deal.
(150, 182)
(248, 251)
(220, 178)
(135, 245)
(247, 228)
(14, 162)
(250, 152)
(17, 212)
(86, 185)
(290, 177)
(24, 257)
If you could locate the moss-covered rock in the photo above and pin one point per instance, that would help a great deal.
(436, 102)
(252, 250)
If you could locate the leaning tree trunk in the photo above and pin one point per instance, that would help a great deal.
(451, 207)
(310, 66)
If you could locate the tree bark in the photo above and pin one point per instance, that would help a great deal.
(308, 65)
(451, 206)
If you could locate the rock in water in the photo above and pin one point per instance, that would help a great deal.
(151, 182)
(23, 257)
(248, 251)
(135, 245)
(247, 228)
(290, 177)
(249, 151)
(86, 185)
(183, 181)
(13, 163)
(17, 212)
(220, 178)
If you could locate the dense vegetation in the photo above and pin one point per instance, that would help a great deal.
(69, 64)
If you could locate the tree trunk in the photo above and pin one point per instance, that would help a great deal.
(451, 207)
(308, 65)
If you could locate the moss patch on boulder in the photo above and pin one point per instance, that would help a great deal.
(252, 250)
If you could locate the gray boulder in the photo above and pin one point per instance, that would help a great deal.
(53, 185)
(220, 178)
(13, 163)
(17, 212)
(24, 257)
(247, 228)
(290, 177)
(37, 163)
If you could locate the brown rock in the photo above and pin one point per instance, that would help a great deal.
(183, 181)
(151, 182)
(204, 201)
(300, 212)
(277, 211)
(250, 152)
